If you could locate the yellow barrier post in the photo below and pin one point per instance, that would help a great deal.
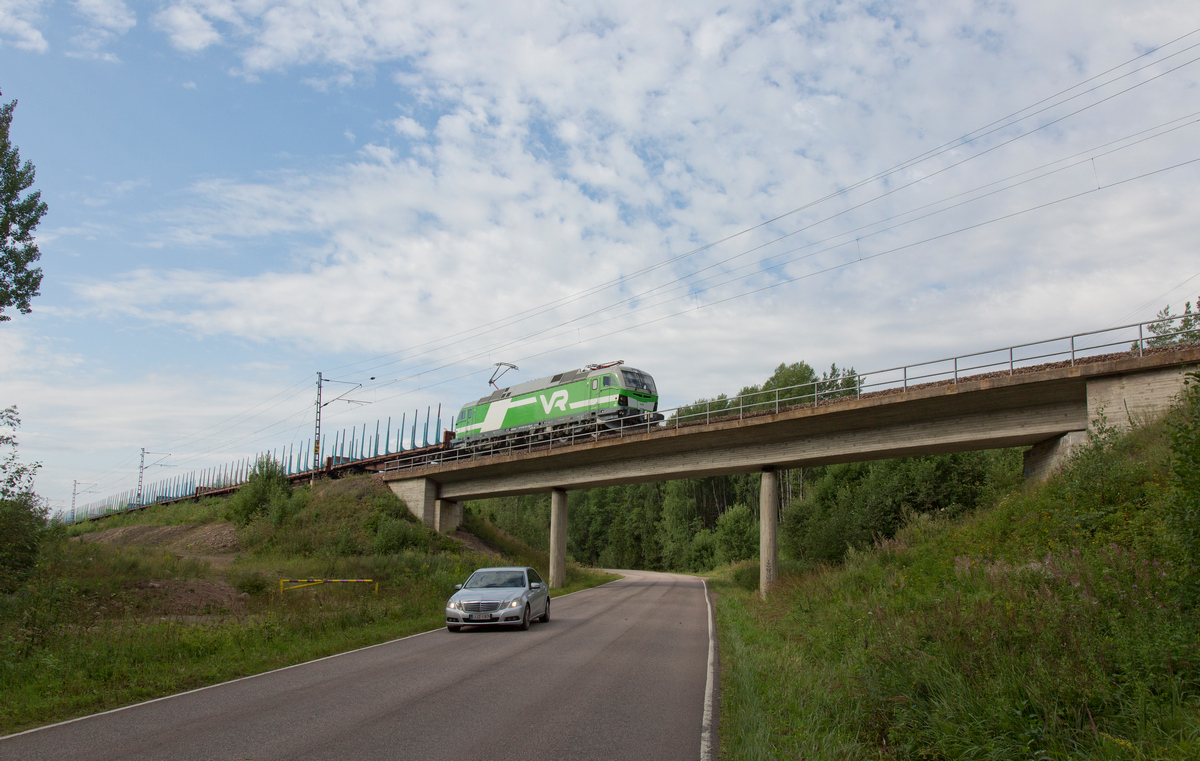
(301, 583)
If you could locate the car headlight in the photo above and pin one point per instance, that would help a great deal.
(454, 605)
(515, 603)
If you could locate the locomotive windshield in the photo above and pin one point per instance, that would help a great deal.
(638, 381)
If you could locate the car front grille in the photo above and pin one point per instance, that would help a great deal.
(481, 607)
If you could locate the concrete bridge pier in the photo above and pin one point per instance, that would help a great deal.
(558, 538)
(448, 514)
(768, 530)
(1046, 457)
(422, 498)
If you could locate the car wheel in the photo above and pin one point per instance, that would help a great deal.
(452, 629)
(525, 619)
(546, 615)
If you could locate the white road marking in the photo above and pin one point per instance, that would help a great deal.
(707, 751)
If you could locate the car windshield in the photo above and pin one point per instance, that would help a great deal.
(495, 580)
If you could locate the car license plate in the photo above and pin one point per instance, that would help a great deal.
(480, 616)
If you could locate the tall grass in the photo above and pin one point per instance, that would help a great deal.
(1048, 626)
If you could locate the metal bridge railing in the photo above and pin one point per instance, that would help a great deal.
(1135, 339)
(1067, 350)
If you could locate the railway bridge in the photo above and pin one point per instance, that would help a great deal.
(988, 400)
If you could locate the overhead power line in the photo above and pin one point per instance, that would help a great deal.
(969, 137)
(475, 333)
(862, 204)
(691, 284)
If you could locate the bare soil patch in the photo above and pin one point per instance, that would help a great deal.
(186, 597)
(474, 543)
(215, 542)
(203, 538)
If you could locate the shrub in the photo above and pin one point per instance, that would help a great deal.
(704, 550)
(22, 526)
(250, 582)
(346, 544)
(268, 483)
(737, 535)
(394, 535)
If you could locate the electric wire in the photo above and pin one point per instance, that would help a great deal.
(833, 268)
(1090, 154)
(918, 180)
(994, 126)
(968, 137)
(1154, 300)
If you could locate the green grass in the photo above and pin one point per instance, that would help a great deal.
(1048, 626)
(83, 635)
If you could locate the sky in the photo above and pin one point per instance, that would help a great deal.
(243, 193)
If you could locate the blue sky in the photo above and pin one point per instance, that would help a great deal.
(244, 192)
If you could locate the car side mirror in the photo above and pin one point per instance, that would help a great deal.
(535, 585)
(457, 587)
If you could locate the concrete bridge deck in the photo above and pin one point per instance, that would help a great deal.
(1050, 409)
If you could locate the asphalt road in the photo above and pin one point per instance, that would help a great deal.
(619, 672)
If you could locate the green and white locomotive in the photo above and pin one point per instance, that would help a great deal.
(589, 400)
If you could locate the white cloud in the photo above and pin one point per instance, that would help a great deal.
(107, 20)
(112, 15)
(570, 146)
(188, 29)
(18, 25)
(540, 152)
(408, 127)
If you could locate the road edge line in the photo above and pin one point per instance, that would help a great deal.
(254, 676)
(218, 684)
(708, 726)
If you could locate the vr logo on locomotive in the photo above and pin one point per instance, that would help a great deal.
(557, 399)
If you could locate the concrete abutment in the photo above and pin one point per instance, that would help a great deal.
(1120, 402)
(420, 495)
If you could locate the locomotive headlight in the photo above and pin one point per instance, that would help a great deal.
(622, 401)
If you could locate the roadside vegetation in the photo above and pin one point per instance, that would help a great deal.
(106, 613)
(1061, 621)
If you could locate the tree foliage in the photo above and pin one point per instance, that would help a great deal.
(22, 513)
(1169, 329)
(16, 477)
(20, 213)
(851, 505)
(737, 535)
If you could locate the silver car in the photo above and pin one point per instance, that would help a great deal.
(510, 596)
